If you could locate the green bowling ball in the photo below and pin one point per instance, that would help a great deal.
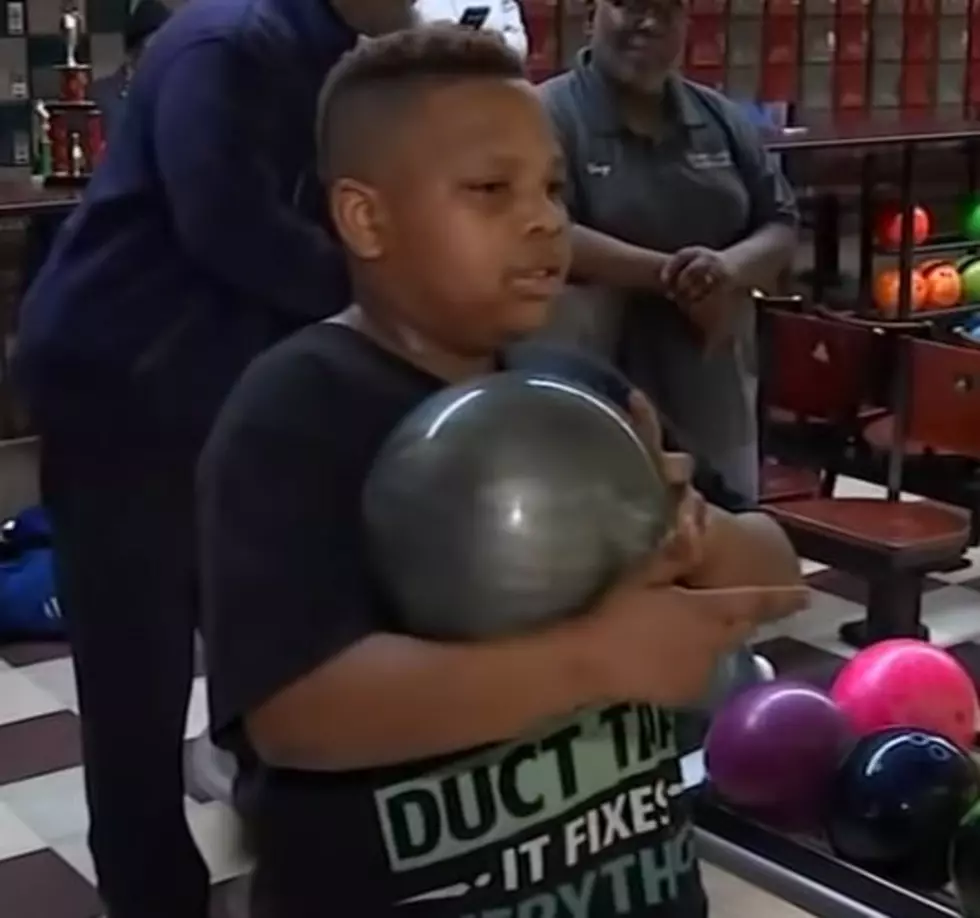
(969, 268)
(970, 217)
(965, 863)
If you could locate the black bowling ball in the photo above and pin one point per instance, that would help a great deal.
(897, 801)
(964, 863)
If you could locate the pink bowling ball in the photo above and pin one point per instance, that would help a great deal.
(908, 683)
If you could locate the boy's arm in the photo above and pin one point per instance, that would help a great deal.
(745, 549)
(471, 695)
(296, 643)
(735, 549)
(300, 653)
(597, 258)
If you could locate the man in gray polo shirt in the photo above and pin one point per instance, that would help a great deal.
(679, 213)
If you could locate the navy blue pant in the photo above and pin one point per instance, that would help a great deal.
(123, 521)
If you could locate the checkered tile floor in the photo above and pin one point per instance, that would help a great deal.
(45, 869)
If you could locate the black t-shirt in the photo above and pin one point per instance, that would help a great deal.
(584, 819)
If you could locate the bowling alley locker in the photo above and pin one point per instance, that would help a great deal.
(840, 57)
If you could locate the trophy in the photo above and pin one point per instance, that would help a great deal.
(75, 76)
(71, 125)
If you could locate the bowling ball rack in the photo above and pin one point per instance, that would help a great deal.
(871, 139)
(894, 602)
(803, 871)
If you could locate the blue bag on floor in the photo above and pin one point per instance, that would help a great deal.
(29, 529)
(29, 609)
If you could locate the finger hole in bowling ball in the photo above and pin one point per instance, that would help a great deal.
(896, 803)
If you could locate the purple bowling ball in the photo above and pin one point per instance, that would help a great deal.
(775, 747)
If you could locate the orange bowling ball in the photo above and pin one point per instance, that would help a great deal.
(944, 287)
(889, 226)
(886, 290)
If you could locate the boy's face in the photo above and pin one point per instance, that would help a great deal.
(463, 232)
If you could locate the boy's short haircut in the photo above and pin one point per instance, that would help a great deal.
(366, 89)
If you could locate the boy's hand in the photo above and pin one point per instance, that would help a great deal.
(684, 550)
(710, 548)
(646, 423)
(677, 468)
(662, 643)
(747, 549)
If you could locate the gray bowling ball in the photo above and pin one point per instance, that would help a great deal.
(507, 502)
(734, 673)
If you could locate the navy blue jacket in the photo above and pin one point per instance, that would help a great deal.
(199, 240)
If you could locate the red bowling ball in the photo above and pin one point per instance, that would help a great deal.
(889, 226)
(907, 683)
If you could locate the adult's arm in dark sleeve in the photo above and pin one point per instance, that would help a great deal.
(216, 133)
(774, 220)
(597, 257)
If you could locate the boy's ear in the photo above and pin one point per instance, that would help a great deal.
(358, 217)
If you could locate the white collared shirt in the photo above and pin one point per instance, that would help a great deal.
(505, 16)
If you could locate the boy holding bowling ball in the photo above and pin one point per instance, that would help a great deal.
(533, 775)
